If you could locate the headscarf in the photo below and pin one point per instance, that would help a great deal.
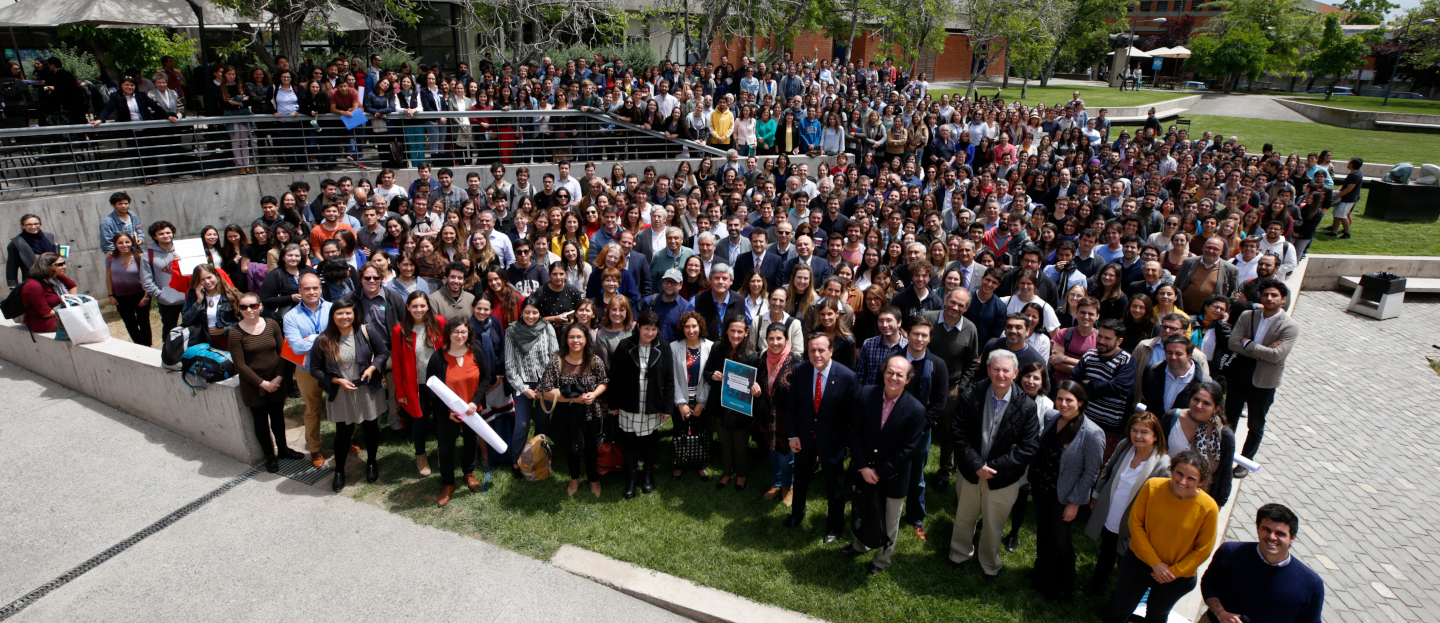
(775, 361)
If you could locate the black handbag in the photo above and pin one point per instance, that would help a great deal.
(571, 390)
(689, 449)
(867, 516)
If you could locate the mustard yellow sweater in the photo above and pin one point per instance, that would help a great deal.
(1164, 528)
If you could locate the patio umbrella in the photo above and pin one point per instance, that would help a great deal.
(126, 13)
(1178, 51)
(1133, 52)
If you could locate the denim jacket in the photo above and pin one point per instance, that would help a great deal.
(112, 225)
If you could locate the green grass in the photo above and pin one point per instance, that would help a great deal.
(1372, 236)
(729, 540)
(1095, 97)
(1303, 137)
(1373, 104)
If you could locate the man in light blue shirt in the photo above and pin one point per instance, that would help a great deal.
(301, 326)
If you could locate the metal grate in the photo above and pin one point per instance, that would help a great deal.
(304, 471)
(16, 606)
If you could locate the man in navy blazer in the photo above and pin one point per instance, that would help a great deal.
(821, 430)
(885, 434)
(770, 264)
(805, 253)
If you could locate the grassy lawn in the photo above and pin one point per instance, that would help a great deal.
(1372, 236)
(1095, 97)
(1373, 104)
(1302, 138)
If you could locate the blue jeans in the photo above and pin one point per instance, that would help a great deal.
(525, 409)
(782, 468)
(915, 500)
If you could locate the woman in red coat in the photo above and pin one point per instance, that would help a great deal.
(412, 341)
(41, 293)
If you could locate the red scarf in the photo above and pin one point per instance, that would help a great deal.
(407, 392)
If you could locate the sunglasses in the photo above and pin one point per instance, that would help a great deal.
(59, 264)
(371, 278)
(244, 307)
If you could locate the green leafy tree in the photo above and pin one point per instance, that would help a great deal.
(1419, 61)
(1253, 37)
(123, 49)
(1083, 41)
(1240, 51)
(289, 21)
(1367, 12)
(1335, 55)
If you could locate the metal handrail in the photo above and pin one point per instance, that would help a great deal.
(72, 158)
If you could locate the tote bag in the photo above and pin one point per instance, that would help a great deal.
(81, 317)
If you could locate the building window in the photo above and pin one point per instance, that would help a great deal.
(1162, 6)
(432, 39)
(1144, 7)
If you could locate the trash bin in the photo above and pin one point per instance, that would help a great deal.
(1373, 286)
(1378, 295)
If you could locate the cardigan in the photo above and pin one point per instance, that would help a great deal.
(1104, 494)
(402, 363)
(1222, 480)
(1080, 461)
(625, 364)
(369, 351)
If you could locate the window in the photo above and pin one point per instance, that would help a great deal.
(1144, 7)
(1162, 6)
(432, 38)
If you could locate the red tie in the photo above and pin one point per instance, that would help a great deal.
(819, 388)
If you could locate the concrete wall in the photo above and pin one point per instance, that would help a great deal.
(74, 219)
(1359, 119)
(129, 377)
(1325, 271)
(1136, 114)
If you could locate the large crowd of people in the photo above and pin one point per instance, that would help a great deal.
(1075, 313)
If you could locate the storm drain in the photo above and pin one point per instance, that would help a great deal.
(16, 606)
(304, 471)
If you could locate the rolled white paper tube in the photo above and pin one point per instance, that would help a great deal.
(458, 406)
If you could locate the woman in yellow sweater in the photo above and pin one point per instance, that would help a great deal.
(1172, 531)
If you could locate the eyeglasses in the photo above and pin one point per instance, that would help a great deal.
(244, 307)
(371, 278)
(59, 264)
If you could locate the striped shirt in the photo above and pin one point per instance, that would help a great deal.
(1107, 408)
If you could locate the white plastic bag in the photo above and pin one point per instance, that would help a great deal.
(81, 317)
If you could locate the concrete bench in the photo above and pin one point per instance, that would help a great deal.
(1418, 285)
(1159, 114)
(1406, 124)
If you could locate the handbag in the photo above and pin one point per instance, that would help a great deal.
(534, 460)
(611, 453)
(689, 449)
(867, 516)
(81, 318)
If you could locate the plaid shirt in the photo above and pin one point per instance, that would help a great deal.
(873, 354)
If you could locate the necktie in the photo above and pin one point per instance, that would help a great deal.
(819, 389)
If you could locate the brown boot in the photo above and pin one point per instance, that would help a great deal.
(772, 492)
(317, 458)
(422, 463)
(789, 495)
(445, 493)
(472, 483)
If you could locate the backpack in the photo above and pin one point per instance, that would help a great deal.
(176, 344)
(12, 307)
(255, 275)
(203, 364)
(534, 460)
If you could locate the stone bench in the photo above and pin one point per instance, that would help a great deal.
(1418, 285)
(1406, 124)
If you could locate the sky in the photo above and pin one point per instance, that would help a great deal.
(1407, 4)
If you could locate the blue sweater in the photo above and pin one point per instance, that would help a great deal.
(1247, 585)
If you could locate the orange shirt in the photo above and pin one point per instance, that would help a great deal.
(462, 376)
(318, 235)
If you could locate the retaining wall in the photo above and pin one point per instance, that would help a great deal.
(1361, 119)
(1325, 271)
(129, 377)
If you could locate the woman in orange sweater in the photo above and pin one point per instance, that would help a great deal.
(1172, 531)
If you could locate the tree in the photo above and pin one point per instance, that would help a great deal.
(1084, 39)
(123, 49)
(1367, 12)
(1268, 38)
(1420, 61)
(705, 21)
(289, 21)
(996, 23)
(523, 30)
(1336, 54)
(1240, 51)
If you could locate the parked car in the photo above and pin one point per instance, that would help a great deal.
(1402, 95)
(1197, 86)
(1335, 91)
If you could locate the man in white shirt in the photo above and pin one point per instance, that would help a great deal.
(1276, 243)
(387, 188)
(499, 242)
(563, 180)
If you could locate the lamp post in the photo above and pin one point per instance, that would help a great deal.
(1396, 67)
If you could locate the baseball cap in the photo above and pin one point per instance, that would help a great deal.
(673, 275)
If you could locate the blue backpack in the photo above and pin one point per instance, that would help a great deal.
(203, 364)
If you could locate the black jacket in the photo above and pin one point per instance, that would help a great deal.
(18, 259)
(660, 387)
(824, 433)
(1012, 449)
(436, 367)
(275, 291)
(936, 389)
(118, 108)
(370, 350)
(890, 450)
(1153, 388)
(394, 308)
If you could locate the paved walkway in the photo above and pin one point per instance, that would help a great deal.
(80, 477)
(1350, 445)
(1247, 106)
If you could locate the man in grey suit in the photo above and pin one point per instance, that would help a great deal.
(729, 248)
(970, 270)
(1261, 340)
(1201, 277)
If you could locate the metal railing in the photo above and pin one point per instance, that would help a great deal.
(75, 158)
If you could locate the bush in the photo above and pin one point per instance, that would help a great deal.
(76, 61)
(636, 57)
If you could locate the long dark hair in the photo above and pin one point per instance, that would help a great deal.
(473, 343)
(1071, 429)
(431, 321)
(722, 341)
(506, 300)
(329, 340)
(587, 352)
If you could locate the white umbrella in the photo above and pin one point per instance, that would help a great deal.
(1178, 51)
(169, 13)
(1133, 52)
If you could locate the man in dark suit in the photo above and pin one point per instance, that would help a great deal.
(930, 384)
(1044, 287)
(805, 254)
(636, 262)
(996, 435)
(1069, 187)
(820, 426)
(1151, 276)
(886, 432)
(718, 303)
(1169, 384)
(769, 264)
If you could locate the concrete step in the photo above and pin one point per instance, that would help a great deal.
(1420, 285)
